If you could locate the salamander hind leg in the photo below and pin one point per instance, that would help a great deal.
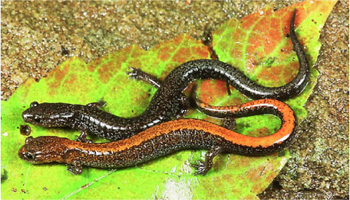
(82, 137)
(185, 104)
(204, 167)
(75, 167)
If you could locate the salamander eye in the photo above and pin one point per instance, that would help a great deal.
(37, 118)
(29, 139)
(34, 104)
(29, 155)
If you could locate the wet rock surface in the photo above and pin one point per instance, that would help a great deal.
(37, 36)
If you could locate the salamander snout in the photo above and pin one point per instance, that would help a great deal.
(30, 152)
(48, 114)
(32, 118)
(44, 149)
(26, 155)
(34, 114)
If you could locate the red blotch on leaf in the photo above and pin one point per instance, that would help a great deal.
(164, 53)
(202, 52)
(291, 71)
(59, 73)
(273, 75)
(106, 71)
(181, 55)
(210, 90)
(264, 131)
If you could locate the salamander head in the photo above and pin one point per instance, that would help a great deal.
(49, 114)
(44, 149)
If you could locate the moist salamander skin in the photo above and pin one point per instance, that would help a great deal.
(166, 138)
(167, 103)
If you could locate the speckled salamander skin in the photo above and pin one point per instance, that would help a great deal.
(168, 101)
(164, 139)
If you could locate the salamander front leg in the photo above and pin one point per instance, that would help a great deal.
(141, 75)
(204, 167)
(82, 137)
(185, 104)
(75, 167)
(99, 104)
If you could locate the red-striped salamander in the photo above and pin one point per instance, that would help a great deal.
(163, 139)
(168, 102)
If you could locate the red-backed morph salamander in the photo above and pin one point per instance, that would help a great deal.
(168, 102)
(163, 139)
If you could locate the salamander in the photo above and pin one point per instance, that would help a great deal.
(167, 103)
(166, 138)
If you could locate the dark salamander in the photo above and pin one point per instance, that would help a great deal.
(167, 103)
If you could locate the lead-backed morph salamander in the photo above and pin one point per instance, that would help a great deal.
(164, 139)
(168, 102)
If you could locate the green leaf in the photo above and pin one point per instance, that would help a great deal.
(241, 43)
